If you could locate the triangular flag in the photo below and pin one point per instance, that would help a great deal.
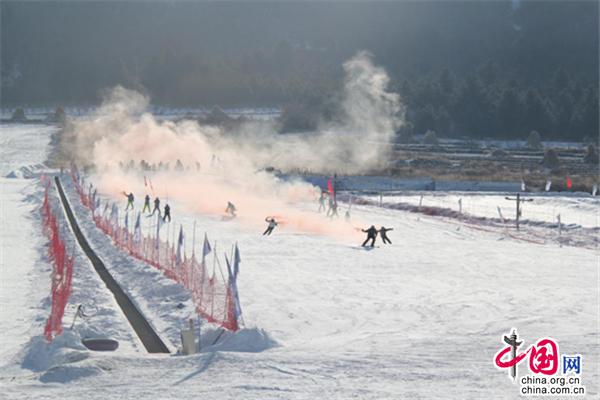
(206, 249)
(236, 261)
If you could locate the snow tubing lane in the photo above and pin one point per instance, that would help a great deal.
(140, 325)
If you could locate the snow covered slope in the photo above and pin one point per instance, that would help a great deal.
(421, 318)
(21, 272)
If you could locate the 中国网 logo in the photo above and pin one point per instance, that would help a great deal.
(549, 373)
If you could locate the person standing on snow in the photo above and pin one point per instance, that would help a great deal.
(156, 206)
(331, 205)
(322, 201)
(272, 225)
(167, 213)
(130, 199)
(146, 204)
(334, 208)
(371, 235)
(383, 234)
(230, 209)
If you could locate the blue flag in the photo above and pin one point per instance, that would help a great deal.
(234, 290)
(206, 249)
(236, 261)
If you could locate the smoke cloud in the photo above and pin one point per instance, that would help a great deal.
(222, 166)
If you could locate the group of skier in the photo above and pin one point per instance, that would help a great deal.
(372, 235)
(231, 210)
(167, 209)
(143, 165)
(329, 204)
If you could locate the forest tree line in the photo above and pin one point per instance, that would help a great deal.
(464, 69)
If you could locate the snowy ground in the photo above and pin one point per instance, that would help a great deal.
(21, 272)
(422, 318)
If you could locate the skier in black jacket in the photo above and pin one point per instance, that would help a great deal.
(156, 206)
(146, 204)
(272, 225)
(371, 235)
(383, 234)
(130, 199)
(167, 213)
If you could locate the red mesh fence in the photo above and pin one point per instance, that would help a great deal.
(213, 297)
(62, 269)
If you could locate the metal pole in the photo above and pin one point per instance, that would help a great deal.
(518, 210)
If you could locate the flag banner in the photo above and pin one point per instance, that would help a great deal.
(330, 188)
(206, 249)
(569, 183)
(237, 310)
(236, 261)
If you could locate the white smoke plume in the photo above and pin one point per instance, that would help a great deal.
(231, 163)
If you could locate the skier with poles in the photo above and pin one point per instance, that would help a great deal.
(231, 209)
(130, 199)
(167, 213)
(156, 206)
(272, 225)
(146, 204)
(371, 235)
(383, 233)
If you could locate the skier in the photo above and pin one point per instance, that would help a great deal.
(167, 213)
(178, 165)
(156, 206)
(330, 209)
(130, 199)
(371, 235)
(146, 203)
(230, 209)
(333, 209)
(272, 225)
(383, 234)
(322, 201)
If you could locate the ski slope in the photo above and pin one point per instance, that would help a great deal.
(22, 149)
(421, 318)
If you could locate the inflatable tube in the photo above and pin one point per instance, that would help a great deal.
(97, 344)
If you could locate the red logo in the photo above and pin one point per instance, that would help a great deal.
(543, 356)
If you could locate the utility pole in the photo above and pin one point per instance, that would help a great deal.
(518, 200)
